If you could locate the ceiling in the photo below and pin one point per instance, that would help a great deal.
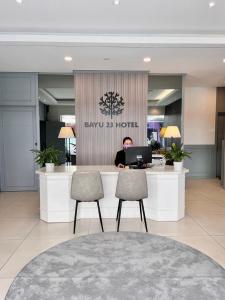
(59, 90)
(57, 96)
(61, 93)
(56, 89)
(180, 36)
(163, 97)
(65, 96)
(101, 16)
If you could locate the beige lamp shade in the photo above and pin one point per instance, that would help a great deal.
(162, 132)
(66, 133)
(172, 132)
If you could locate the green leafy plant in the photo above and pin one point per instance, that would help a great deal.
(48, 155)
(176, 153)
(155, 145)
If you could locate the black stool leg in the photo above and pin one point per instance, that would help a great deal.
(120, 208)
(100, 217)
(143, 210)
(140, 209)
(75, 217)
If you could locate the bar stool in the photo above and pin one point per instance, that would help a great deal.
(131, 186)
(87, 187)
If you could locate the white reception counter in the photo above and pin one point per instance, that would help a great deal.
(166, 201)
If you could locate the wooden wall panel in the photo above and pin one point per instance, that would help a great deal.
(99, 145)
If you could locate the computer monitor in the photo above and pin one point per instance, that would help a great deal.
(138, 156)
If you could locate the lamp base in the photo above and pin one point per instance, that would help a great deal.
(169, 162)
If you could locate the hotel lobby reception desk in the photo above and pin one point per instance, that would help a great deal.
(166, 189)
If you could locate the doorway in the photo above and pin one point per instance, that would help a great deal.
(57, 109)
(219, 141)
(18, 136)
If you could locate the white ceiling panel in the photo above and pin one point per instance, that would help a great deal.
(203, 66)
(61, 93)
(180, 36)
(101, 16)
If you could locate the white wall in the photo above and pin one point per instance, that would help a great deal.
(199, 115)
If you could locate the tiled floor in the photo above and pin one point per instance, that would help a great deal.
(23, 235)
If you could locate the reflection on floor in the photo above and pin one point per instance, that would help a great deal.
(23, 235)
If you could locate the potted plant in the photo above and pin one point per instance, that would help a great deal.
(177, 154)
(155, 145)
(48, 157)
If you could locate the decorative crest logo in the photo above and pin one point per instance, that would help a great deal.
(111, 104)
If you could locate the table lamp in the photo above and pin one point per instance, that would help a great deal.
(161, 134)
(172, 132)
(66, 133)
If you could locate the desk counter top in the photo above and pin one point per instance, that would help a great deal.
(165, 202)
(107, 169)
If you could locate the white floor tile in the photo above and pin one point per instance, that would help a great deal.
(16, 228)
(185, 227)
(213, 224)
(23, 236)
(220, 240)
(4, 286)
(7, 248)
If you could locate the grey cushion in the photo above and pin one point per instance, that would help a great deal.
(132, 185)
(86, 186)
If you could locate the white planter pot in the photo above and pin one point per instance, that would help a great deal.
(178, 166)
(49, 167)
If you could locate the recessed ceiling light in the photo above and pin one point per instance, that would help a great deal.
(116, 2)
(106, 58)
(147, 59)
(212, 4)
(68, 58)
(19, 1)
(224, 60)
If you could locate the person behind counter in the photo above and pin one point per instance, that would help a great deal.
(120, 155)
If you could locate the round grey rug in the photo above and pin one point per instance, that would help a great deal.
(121, 265)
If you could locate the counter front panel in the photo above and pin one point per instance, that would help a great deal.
(166, 189)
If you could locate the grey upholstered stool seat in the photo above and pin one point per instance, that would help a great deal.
(86, 187)
(132, 186)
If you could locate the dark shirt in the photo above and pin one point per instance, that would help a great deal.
(120, 158)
